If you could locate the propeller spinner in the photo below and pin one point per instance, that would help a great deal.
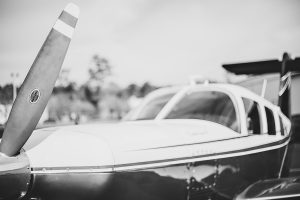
(31, 102)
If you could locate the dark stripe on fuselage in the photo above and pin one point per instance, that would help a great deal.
(68, 19)
(189, 144)
(162, 162)
(209, 155)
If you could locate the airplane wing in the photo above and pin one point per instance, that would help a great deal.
(282, 188)
(262, 67)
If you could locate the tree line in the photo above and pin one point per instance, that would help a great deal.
(96, 98)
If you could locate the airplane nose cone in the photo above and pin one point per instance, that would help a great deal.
(14, 176)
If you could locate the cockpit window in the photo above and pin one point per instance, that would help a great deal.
(151, 110)
(207, 105)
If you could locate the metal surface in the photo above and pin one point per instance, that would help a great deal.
(73, 186)
(285, 188)
(212, 179)
(262, 67)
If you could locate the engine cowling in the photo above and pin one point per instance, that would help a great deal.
(14, 176)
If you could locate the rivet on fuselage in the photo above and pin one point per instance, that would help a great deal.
(23, 193)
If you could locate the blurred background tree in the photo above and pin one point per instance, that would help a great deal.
(98, 98)
(99, 70)
(6, 94)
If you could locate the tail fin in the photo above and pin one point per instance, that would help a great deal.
(284, 67)
(284, 100)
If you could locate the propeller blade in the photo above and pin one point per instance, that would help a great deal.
(38, 84)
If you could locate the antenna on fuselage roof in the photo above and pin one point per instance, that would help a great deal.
(263, 89)
(198, 79)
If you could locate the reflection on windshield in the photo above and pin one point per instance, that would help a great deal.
(207, 105)
(151, 110)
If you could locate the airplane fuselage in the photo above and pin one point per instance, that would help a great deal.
(219, 177)
(219, 166)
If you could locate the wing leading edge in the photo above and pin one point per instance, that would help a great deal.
(282, 188)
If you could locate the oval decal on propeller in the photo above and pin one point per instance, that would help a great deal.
(34, 96)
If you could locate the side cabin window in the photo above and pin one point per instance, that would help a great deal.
(270, 121)
(252, 116)
(212, 106)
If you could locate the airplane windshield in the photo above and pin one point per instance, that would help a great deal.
(207, 105)
(151, 110)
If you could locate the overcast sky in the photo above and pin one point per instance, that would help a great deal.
(161, 41)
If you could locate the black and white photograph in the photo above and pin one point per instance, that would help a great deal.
(149, 99)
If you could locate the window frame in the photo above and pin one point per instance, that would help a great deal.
(178, 97)
(166, 97)
(282, 129)
(133, 115)
(274, 118)
(260, 114)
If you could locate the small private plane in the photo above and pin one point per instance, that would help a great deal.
(200, 141)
